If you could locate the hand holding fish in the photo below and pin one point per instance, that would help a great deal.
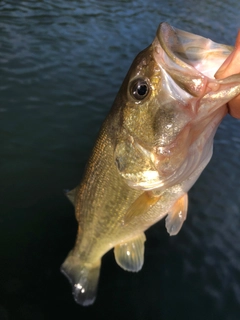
(232, 66)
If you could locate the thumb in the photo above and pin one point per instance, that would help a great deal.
(232, 66)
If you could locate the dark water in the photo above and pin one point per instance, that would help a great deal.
(61, 64)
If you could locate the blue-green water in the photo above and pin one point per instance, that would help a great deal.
(61, 64)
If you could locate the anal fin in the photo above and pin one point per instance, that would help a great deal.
(177, 216)
(130, 255)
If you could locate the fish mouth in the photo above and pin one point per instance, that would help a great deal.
(189, 57)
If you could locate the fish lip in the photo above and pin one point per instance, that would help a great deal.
(165, 32)
(153, 179)
(178, 176)
(135, 180)
(160, 184)
(144, 185)
(170, 53)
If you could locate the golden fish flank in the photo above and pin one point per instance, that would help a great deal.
(151, 148)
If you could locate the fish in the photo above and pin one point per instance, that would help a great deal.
(150, 150)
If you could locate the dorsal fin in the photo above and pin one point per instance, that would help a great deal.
(70, 194)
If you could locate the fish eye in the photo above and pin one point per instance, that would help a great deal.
(139, 89)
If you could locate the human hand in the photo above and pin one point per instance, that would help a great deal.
(232, 66)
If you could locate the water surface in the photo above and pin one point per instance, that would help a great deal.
(61, 65)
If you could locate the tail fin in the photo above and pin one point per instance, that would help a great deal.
(83, 278)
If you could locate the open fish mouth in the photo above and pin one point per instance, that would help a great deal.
(196, 57)
(190, 50)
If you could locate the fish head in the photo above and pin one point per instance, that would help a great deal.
(168, 108)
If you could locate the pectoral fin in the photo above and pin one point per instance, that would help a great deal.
(177, 216)
(130, 255)
(141, 205)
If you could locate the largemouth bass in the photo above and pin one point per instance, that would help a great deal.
(152, 147)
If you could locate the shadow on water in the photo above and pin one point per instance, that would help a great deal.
(61, 64)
